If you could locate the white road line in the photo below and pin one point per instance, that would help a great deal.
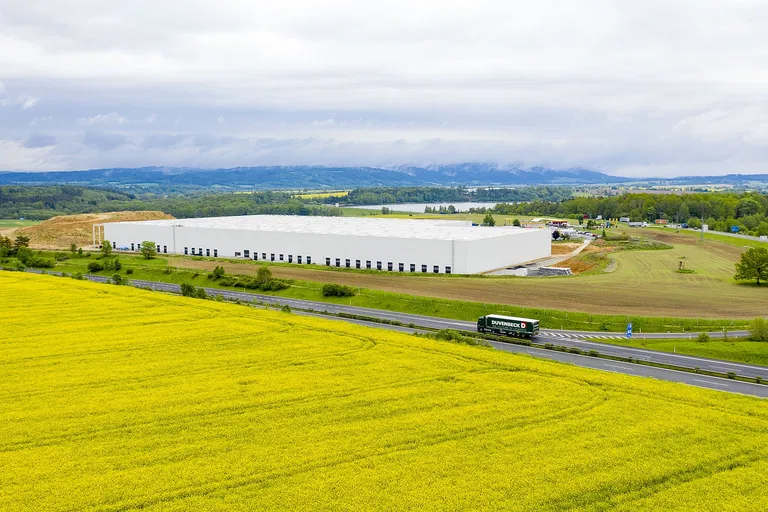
(711, 383)
(619, 367)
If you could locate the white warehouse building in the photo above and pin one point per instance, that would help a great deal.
(399, 245)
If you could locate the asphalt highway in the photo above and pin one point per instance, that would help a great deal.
(557, 337)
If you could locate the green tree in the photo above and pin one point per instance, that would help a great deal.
(748, 206)
(753, 265)
(694, 223)
(117, 279)
(6, 246)
(263, 276)
(23, 254)
(489, 220)
(758, 330)
(516, 223)
(218, 272)
(148, 249)
(683, 212)
(21, 241)
(73, 249)
(106, 248)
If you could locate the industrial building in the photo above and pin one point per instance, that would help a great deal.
(396, 245)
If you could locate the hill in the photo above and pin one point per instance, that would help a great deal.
(60, 232)
(114, 398)
(314, 177)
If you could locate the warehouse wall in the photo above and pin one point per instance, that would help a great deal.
(506, 251)
(459, 256)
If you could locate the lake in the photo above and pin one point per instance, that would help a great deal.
(419, 207)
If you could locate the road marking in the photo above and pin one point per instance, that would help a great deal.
(619, 367)
(710, 382)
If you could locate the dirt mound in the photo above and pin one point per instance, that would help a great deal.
(61, 232)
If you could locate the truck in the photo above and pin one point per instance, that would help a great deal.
(508, 325)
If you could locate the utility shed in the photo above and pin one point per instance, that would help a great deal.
(396, 245)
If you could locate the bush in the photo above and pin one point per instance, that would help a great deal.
(758, 330)
(731, 375)
(189, 290)
(218, 272)
(129, 271)
(24, 254)
(286, 308)
(275, 285)
(117, 279)
(703, 337)
(78, 276)
(41, 262)
(338, 290)
(95, 266)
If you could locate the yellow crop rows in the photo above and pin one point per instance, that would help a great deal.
(113, 398)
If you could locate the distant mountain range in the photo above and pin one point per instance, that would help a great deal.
(321, 177)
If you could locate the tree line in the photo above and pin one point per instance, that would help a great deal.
(44, 202)
(720, 210)
(395, 195)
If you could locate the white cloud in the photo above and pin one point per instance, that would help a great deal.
(624, 87)
(102, 119)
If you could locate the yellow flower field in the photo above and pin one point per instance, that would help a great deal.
(113, 398)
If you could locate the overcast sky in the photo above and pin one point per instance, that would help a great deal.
(645, 88)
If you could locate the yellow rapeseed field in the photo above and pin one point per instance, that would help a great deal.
(113, 398)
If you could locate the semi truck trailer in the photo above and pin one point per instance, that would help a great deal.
(508, 325)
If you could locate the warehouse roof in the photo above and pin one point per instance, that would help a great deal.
(353, 226)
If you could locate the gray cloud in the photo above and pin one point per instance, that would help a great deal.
(623, 87)
(163, 140)
(39, 140)
(103, 141)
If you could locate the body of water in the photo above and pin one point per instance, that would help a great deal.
(420, 207)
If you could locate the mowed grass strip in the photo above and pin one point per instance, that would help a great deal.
(113, 398)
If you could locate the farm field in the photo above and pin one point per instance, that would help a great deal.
(641, 283)
(16, 223)
(125, 399)
(8, 226)
(477, 218)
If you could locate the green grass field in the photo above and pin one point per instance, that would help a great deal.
(739, 350)
(113, 398)
(16, 223)
(159, 270)
(715, 236)
(477, 218)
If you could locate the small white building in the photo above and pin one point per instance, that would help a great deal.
(397, 245)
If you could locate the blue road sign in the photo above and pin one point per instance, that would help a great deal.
(629, 330)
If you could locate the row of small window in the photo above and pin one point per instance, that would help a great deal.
(191, 250)
(137, 247)
(390, 266)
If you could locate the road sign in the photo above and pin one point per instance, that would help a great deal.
(629, 330)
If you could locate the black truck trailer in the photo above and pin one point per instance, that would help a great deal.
(508, 325)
